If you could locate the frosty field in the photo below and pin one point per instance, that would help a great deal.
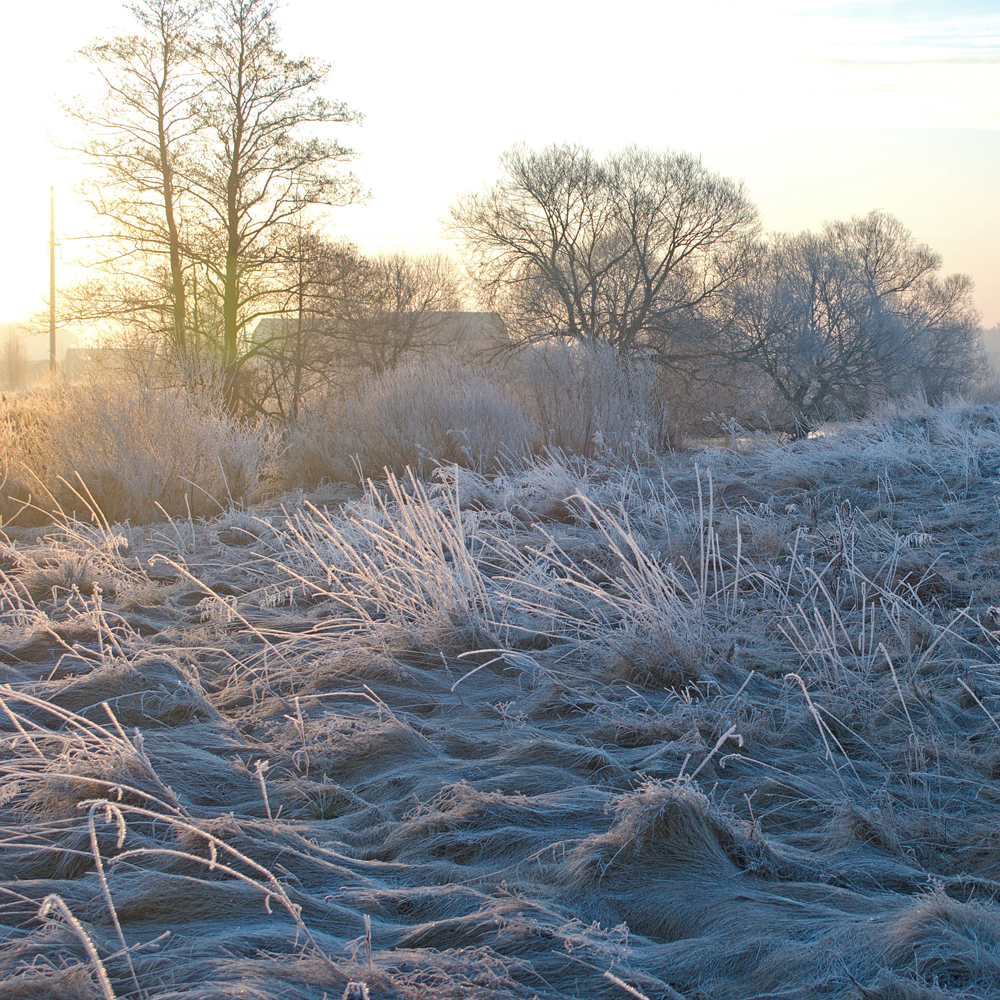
(722, 726)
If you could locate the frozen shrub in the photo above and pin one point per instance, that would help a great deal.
(128, 450)
(419, 415)
(591, 400)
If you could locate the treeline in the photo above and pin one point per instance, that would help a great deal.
(211, 148)
(653, 253)
(213, 160)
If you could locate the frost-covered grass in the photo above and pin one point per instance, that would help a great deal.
(718, 725)
(130, 451)
(136, 449)
(433, 412)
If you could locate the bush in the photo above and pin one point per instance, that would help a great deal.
(590, 400)
(585, 401)
(420, 415)
(128, 449)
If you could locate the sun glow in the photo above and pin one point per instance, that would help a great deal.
(825, 109)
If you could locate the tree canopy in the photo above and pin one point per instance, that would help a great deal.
(842, 319)
(212, 147)
(621, 250)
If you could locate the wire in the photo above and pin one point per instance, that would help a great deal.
(400, 246)
(426, 232)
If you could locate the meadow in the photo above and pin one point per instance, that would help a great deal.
(582, 719)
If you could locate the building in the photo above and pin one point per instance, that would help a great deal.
(465, 335)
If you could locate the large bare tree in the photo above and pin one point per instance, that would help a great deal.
(622, 250)
(213, 145)
(264, 159)
(138, 136)
(842, 319)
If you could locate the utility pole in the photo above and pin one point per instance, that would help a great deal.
(52, 280)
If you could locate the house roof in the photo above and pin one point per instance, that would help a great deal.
(467, 332)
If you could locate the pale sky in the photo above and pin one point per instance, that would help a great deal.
(824, 109)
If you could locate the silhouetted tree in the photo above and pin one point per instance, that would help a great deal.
(949, 355)
(212, 142)
(292, 355)
(623, 250)
(260, 162)
(396, 304)
(344, 312)
(842, 319)
(139, 136)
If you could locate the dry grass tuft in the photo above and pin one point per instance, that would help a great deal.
(125, 451)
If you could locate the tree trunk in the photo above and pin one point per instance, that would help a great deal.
(176, 270)
(230, 295)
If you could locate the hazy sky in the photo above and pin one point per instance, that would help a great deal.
(825, 109)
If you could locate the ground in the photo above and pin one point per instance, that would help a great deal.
(720, 725)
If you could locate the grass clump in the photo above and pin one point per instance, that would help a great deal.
(126, 450)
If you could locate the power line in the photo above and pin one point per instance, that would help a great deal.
(395, 246)
(426, 232)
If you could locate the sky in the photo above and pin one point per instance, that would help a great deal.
(824, 110)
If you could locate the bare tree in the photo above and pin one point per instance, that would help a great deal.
(396, 304)
(138, 137)
(623, 250)
(211, 143)
(261, 164)
(856, 314)
(292, 355)
(344, 312)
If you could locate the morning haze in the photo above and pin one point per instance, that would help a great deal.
(826, 110)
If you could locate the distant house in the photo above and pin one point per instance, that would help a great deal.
(466, 335)
(470, 335)
(130, 360)
(77, 360)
